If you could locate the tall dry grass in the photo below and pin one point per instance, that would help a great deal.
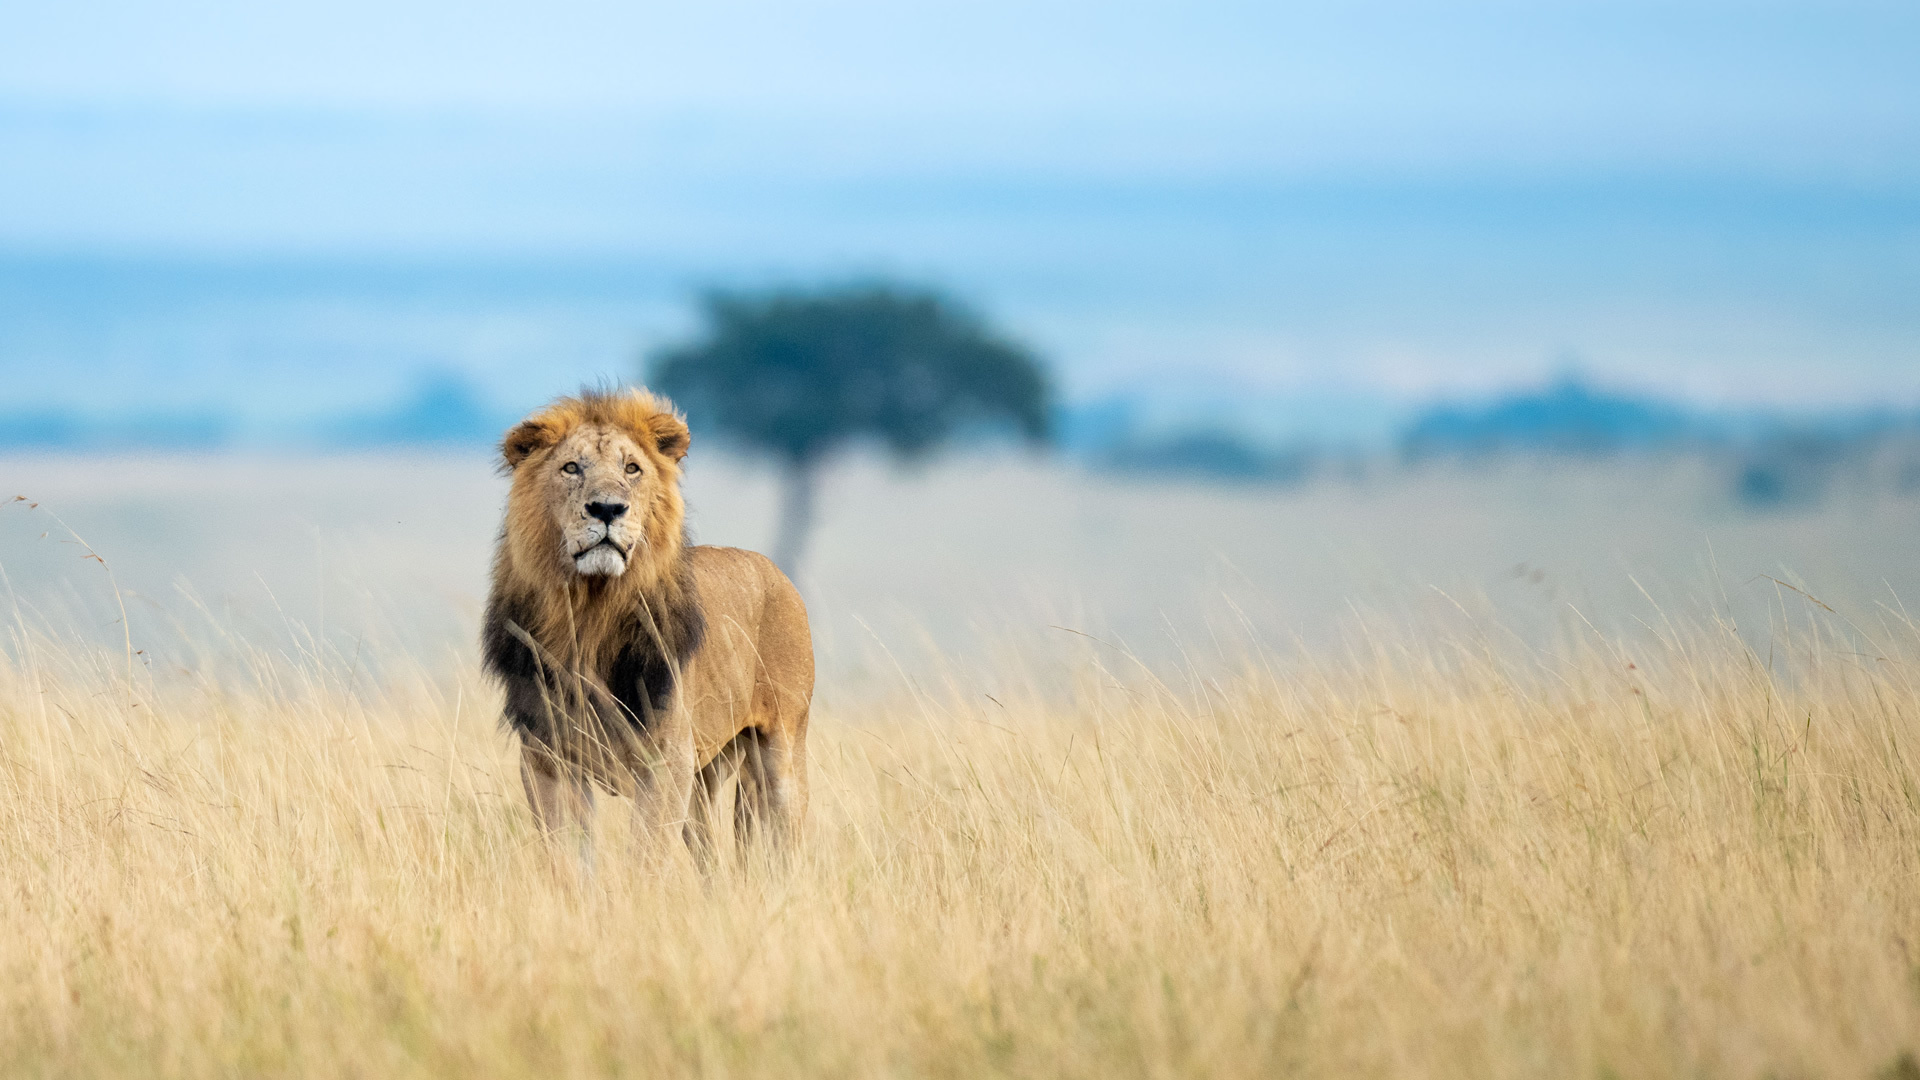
(1674, 857)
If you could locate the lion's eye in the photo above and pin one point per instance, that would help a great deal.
(632, 468)
(571, 468)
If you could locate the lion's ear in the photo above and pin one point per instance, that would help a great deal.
(670, 434)
(526, 438)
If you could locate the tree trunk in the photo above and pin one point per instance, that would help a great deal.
(797, 484)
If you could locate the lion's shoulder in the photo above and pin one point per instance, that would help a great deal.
(744, 584)
(735, 577)
(732, 562)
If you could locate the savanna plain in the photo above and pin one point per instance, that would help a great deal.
(1600, 781)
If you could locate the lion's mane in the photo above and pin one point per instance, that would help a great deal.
(606, 651)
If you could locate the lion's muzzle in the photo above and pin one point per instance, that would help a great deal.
(604, 559)
(600, 540)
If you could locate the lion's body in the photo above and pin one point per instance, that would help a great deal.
(755, 668)
(632, 660)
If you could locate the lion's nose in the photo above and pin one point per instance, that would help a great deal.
(606, 511)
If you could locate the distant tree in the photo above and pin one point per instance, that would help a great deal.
(799, 375)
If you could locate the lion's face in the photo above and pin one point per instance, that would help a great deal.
(600, 490)
(596, 493)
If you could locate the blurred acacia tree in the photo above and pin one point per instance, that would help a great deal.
(799, 375)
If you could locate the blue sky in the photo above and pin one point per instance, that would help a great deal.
(1402, 198)
(1810, 90)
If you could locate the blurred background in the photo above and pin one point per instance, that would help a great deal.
(1500, 307)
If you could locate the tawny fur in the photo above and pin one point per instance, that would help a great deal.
(689, 660)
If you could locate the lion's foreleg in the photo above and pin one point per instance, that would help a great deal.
(663, 773)
(556, 796)
(712, 797)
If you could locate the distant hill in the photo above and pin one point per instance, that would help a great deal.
(1214, 455)
(1566, 417)
(67, 429)
(443, 409)
(1771, 459)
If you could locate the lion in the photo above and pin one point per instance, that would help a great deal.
(632, 660)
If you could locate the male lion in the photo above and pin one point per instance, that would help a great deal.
(632, 660)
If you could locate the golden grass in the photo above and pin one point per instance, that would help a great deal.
(1671, 859)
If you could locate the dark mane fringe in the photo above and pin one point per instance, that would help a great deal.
(589, 704)
(668, 630)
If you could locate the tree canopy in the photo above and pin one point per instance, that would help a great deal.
(798, 375)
